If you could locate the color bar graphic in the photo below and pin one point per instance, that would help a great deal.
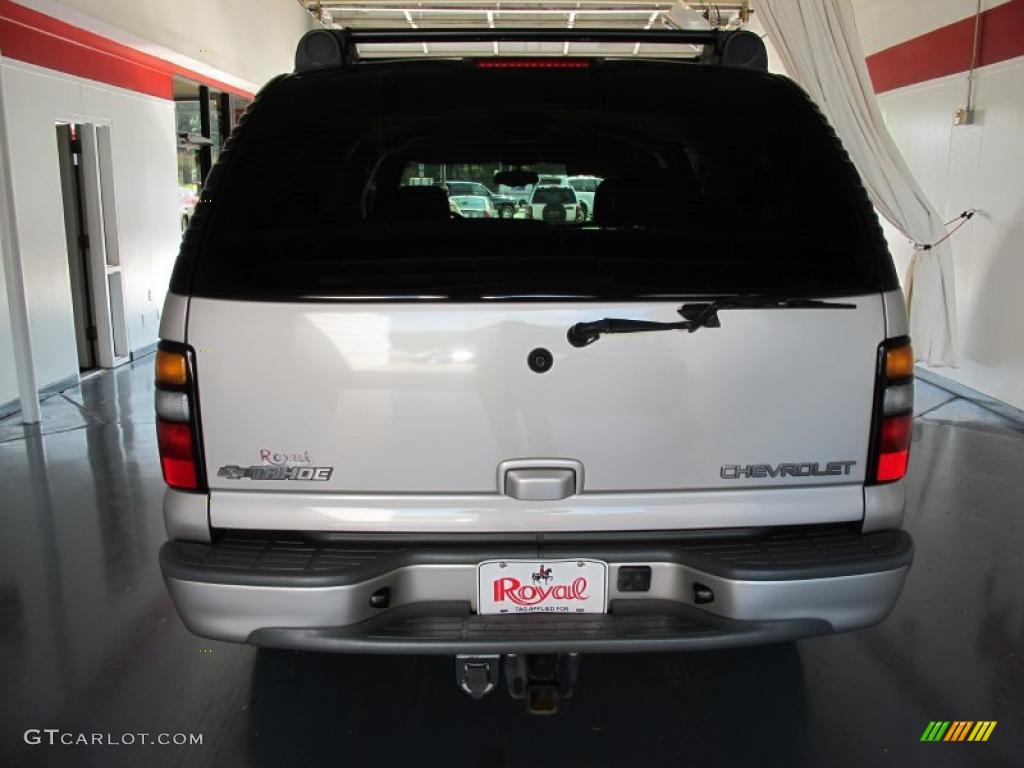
(935, 730)
(958, 730)
(982, 730)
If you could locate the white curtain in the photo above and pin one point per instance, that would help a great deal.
(818, 44)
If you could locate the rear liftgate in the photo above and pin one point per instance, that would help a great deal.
(542, 680)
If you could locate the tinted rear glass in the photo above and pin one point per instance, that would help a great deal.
(738, 187)
(584, 185)
(557, 195)
(463, 188)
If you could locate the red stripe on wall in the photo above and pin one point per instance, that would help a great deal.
(947, 50)
(35, 38)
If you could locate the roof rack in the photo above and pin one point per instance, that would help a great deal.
(328, 48)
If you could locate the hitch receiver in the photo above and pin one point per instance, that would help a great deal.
(543, 679)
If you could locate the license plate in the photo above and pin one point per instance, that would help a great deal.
(535, 586)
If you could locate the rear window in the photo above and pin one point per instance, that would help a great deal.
(584, 185)
(464, 188)
(556, 195)
(470, 202)
(738, 188)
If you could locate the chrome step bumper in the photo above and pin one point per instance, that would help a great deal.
(451, 628)
(301, 594)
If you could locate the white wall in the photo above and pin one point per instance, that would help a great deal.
(145, 187)
(249, 41)
(239, 42)
(885, 23)
(974, 166)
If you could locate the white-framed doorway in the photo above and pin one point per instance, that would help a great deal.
(94, 258)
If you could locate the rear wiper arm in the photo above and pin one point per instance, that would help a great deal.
(696, 315)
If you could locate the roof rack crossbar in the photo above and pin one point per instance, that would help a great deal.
(516, 35)
(327, 48)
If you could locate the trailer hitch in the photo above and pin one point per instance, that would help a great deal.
(541, 679)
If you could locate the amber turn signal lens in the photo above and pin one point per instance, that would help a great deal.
(171, 368)
(899, 362)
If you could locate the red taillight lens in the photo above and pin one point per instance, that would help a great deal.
(896, 433)
(892, 466)
(527, 63)
(894, 447)
(177, 454)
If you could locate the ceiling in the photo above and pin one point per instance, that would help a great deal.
(557, 14)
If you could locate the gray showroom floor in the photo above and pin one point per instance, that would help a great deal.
(90, 643)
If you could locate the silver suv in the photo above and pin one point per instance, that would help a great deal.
(682, 425)
(554, 204)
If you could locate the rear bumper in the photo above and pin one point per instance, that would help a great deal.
(296, 594)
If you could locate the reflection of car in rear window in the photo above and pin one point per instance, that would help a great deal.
(547, 195)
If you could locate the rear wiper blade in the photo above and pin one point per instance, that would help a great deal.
(696, 315)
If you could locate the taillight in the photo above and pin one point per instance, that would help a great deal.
(173, 406)
(177, 434)
(171, 368)
(177, 454)
(894, 447)
(894, 405)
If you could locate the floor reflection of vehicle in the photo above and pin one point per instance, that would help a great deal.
(555, 205)
(585, 187)
(187, 199)
(475, 206)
